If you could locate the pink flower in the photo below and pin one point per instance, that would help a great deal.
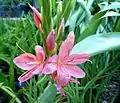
(37, 17)
(33, 64)
(50, 41)
(63, 66)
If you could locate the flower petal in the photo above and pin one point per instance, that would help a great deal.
(38, 69)
(23, 61)
(73, 80)
(25, 77)
(61, 81)
(60, 89)
(52, 59)
(76, 59)
(66, 46)
(37, 17)
(40, 55)
(49, 68)
(74, 71)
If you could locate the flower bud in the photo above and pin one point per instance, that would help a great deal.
(50, 41)
(37, 17)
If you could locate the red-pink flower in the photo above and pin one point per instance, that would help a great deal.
(63, 66)
(37, 17)
(50, 41)
(33, 64)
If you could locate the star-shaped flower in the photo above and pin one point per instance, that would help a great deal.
(63, 66)
(33, 64)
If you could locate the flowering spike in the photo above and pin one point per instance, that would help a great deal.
(37, 17)
(50, 41)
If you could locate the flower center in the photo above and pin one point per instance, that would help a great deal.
(59, 62)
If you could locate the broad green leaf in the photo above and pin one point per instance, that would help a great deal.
(91, 29)
(111, 13)
(48, 96)
(97, 16)
(96, 44)
(114, 5)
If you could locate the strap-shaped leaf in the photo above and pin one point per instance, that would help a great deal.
(49, 95)
(96, 44)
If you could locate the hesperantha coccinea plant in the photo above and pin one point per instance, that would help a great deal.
(62, 51)
(61, 65)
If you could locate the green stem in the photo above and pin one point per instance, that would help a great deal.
(44, 44)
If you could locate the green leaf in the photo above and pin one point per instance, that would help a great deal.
(96, 44)
(73, 19)
(10, 92)
(67, 8)
(12, 100)
(5, 58)
(64, 3)
(91, 29)
(86, 9)
(3, 78)
(114, 5)
(111, 13)
(89, 4)
(48, 96)
(79, 13)
(1, 84)
(117, 26)
(11, 70)
(46, 11)
(95, 22)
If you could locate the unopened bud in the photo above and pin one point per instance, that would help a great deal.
(50, 41)
(37, 17)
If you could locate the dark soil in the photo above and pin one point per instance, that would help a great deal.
(112, 90)
(3, 97)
